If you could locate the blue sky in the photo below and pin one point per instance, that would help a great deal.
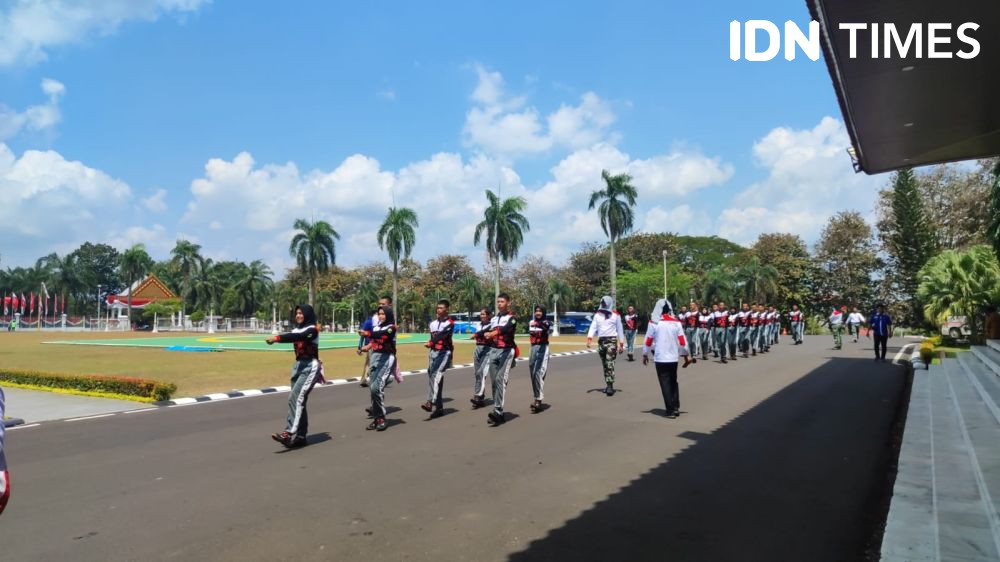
(222, 121)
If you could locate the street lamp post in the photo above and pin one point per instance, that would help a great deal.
(98, 317)
(555, 313)
(664, 274)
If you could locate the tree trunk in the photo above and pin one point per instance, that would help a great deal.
(395, 284)
(614, 280)
(496, 280)
(312, 288)
(130, 305)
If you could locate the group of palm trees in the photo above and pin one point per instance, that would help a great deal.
(501, 233)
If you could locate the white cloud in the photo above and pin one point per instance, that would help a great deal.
(505, 125)
(28, 28)
(36, 117)
(679, 219)
(810, 177)
(53, 204)
(156, 202)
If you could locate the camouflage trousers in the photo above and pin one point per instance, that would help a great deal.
(607, 348)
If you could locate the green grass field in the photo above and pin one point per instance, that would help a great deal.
(202, 373)
(231, 342)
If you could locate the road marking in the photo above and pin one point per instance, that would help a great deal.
(219, 396)
(901, 352)
(90, 417)
(23, 426)
(139, 410)
(251, 392)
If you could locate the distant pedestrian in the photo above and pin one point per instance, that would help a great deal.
(665, 336)
(880, 325)
(631, 323)
(383, 365)
(306, 372)
(836, 323)
(854, 322)
(440, 349)
(796, 320)
(607, 327)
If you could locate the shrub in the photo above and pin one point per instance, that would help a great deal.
(927, 352)
(122, 386)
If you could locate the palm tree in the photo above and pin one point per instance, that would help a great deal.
(206, 286)
(560, 292)
(314, 249)
(254, 282)
(504, 226)
(133, 264)
(617, 218)
(717, 285)
(396, 236)
(470, 293)
(759, 280)
(959, 283)
(187, 261)
(366, 297)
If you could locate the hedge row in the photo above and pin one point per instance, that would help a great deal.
(126, 386)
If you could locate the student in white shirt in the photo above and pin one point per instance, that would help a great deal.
(607, 327)
(665, 336)
(854, 322)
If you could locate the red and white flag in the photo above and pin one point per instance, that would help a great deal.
(6, 301)
(24, 303)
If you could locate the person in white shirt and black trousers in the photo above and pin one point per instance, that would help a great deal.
(665, 337)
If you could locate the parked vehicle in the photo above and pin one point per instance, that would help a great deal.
(956, 327)
(566, 326)
(464, 324)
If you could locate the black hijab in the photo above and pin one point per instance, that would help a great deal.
(390, 318)
(308, 315)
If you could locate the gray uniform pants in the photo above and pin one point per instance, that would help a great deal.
(704, 340)
(694, 346)
(480, 362)
(629, 341)
(499, 364)
(732, 338)
(379, 377)
(437, 364)
(798, 329)
(719, 335)
(304, 375)
(538, 363)
(752, 336)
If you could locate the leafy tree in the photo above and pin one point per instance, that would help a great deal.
(846, 258)
(789, 256)
(531, 280)
(471, 294)
(561, 294)
(614, 206)
(253, 284)
(396, 236)
(960, 283)
(993, 228)
(643, 249)
(98, 264)
(587, 274)
(697, 254)
(314, 249)
(366, 297)
(760, 281)
(644, 287)
(503, 225)
(187, 262)
(133, 264)
(718, 285)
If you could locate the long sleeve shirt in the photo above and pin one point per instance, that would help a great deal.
(538, 331)
(384, 339)
(505, 325)
(881, 324)
(606, 326)
(305, 340)
(441, 334)
(666, 339)
(836, 319)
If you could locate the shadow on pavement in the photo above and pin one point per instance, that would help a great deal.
(800, 476)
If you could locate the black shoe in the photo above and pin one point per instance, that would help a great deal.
(610, 390)
(283, 437)
(437, 413)
(298, 441)
(537, 406)
(496, 418)
(673, 414)
(723, 361)
(754, 353)
(368, 411)
(631, 357)
(478, 402)
(427, 406)
(364, 384)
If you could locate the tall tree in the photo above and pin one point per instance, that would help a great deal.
(471, 294)
(993, 229)
(960, 283)
(615, 205)
(504, 225)
(314, 249)
(134, 264)
(397, 236)
(253, 284)
(789, 255)
(99, 265)
(910, 242)
(187, 262)
(718, 285)
(847, 260)
(561, 294)
(760, 281)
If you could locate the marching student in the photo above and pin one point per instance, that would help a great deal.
(306, 372)
(480, 359)
(854, 322)
(538, 360)
(365, 343)
(765, 325)
(836, 323)
(383, 364)
(754, 334)
(502, 355)
(744, 330)
(795, 318)
(775, 324)
(720, 329)
(631, 325)
(704, 332)
(440, 349)
(880, 325)
(607, 326)
(665, 336)
(734, 331)
(711, 331)
(691, 330)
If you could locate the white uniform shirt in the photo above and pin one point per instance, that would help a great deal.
(606, 327)
(836, 319)
(855, 318)
(666, 338)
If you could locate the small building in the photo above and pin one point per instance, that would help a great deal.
(146, 291)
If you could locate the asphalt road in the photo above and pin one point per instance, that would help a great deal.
(779, 457)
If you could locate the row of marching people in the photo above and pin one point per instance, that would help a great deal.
(670, 336)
